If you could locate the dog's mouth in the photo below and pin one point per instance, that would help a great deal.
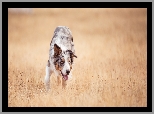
(65, 77)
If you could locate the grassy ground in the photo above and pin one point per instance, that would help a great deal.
(111, 68)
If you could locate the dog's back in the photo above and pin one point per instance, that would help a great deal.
(63, 37)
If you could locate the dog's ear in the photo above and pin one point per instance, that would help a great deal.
(57, 50)
(72, 54)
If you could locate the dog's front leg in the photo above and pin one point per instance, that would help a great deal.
(59, 80)
(64, 83)
(47, 76)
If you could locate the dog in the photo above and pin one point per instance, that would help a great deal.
(61, 56)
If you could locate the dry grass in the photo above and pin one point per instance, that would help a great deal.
(111, 68)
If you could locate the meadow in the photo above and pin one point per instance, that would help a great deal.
(111, 68)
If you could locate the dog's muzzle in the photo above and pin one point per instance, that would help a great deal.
(65, 77)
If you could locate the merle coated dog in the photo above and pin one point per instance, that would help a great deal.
(61, 56)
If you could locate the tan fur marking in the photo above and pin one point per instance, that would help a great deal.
(56, 66)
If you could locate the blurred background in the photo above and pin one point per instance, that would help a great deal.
(111, 46)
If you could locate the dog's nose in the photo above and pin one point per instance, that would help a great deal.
(67, 71)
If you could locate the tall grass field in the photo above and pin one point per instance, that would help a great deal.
(111, 68)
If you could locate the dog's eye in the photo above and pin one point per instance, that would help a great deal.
(61, 62)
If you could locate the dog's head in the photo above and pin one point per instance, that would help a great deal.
(63, 60)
